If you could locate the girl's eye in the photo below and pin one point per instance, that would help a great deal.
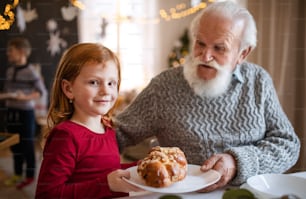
(94, 82)
(113, 83)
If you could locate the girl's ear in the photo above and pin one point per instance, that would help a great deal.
(66, 87)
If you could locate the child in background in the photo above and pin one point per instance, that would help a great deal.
(25, 86)
(81, 157)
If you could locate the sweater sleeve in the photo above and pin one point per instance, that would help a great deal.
(38, 82)
(59, 160)
(279, 148)
(137, 121)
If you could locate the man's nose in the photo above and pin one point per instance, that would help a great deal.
(207, 55)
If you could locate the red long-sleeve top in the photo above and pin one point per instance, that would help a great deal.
(76, 162)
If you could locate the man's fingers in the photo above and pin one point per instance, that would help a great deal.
(210, 163)
(222, 163)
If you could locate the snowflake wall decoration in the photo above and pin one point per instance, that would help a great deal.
(55, 43)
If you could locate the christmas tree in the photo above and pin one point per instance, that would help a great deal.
(179, 51)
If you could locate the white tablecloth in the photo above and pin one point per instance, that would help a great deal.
(193, 195)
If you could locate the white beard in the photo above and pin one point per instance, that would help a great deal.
(207, 88)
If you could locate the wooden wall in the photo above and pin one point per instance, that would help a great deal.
(39, 33)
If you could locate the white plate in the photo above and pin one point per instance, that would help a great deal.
(276, 185)
(195, 180)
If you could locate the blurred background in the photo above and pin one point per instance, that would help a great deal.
(149, 37)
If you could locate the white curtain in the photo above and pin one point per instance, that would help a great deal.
(281, 50)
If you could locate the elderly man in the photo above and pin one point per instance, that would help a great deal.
(222, 111)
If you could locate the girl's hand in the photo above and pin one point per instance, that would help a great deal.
(117, 184)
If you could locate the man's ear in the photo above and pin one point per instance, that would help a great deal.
(244, 54)
(66, 88)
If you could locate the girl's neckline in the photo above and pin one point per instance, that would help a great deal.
(96, 131)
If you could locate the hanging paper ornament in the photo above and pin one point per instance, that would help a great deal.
(103, 27)
(51, 25)
(30, 14)
(21, 23)
(55, 43)
(25, 16)
(69, 12)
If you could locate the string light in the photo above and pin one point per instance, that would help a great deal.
(8, 17)
(179, 11)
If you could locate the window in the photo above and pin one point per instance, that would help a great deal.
(124, 26)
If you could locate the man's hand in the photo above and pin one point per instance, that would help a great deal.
(225, 164)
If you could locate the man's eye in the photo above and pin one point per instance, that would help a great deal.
(220, 48)
(200, 43)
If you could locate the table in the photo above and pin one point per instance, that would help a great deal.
(194, 195)
(147, 195)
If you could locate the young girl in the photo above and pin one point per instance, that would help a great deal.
(81, 157)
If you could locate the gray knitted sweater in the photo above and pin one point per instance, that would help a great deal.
(247, 121)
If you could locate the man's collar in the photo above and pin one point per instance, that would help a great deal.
(237, 74)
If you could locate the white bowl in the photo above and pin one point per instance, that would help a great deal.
(276, 185)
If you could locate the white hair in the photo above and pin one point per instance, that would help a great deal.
(233, 11)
